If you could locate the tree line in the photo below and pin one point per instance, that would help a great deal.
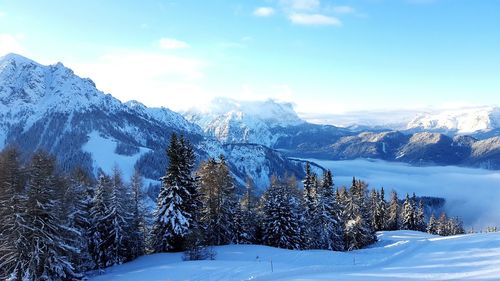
(57, 226)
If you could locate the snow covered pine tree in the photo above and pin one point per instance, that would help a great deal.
(175, 210)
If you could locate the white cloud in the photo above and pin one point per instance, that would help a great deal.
(170, 43)
(2, 14)
(10, 44)
(263, 12)
(302, 4)
(343, 9)
(155, 79)
(314, 19)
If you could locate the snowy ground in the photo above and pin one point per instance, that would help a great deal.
(472, 194)
(399, 255)
(100, 147)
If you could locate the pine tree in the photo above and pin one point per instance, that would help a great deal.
(175, 216)
(358, 227)
(219, 202)
(246, 221)
(342, 197)
(296, 201)
(310, 183)
(281, 217)
(353, 233)
(120, 216)
(455, 226)
(420, 224)
(14, 252)
(442, 225)
(48, 248)
(138, 225)
(408, 214)
(230, 201)
(310, 204)
(101, 242)
(80, 193)
(373, 206)
(327, 219)
(381, 211)
(432, 226)
(190, 181)
(393, 216)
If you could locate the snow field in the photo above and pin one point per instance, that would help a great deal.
(399, 255)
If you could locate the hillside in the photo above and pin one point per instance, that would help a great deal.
(399, 255)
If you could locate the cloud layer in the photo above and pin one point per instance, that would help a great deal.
(471, 194)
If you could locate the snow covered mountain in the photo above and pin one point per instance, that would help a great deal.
(50, 107)
(270, 123)
(233, 121)
(423, 142)
(459, 121)
(481, 122)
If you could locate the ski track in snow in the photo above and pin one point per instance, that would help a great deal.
(399, 255)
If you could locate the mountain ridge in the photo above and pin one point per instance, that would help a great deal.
(51, 108)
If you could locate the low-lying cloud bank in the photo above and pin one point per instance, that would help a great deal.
(472, 194)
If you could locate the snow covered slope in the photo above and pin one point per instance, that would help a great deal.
(461, 121)
(399, 255)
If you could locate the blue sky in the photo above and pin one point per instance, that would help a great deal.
(325, 56)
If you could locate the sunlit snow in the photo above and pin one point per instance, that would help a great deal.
(399, 255)
(102, 150)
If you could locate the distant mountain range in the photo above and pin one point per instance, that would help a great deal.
(462, 137)
(480, 122)
(50, 107)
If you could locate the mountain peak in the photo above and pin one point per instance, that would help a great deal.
(12, 57)
(26, 82)
(279, 113)
(231, 120)
(30, 91)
